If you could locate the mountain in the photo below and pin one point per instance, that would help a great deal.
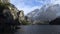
(46, 13)
(31, 14)
(55, 21)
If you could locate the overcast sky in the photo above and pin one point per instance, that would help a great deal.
(29, 5)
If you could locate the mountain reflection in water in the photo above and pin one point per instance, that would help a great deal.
(35, 29)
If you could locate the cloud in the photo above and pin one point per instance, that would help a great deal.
(43, 1)
(29, 5)
(56, 1)
(29, 9)
(25, 5)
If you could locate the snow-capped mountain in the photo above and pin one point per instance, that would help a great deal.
(31, 14)
(46, 13)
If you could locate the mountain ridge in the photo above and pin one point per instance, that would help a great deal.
(46, 13)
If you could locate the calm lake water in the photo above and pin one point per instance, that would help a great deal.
(37, 29)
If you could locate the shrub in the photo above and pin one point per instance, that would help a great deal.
(25, 22)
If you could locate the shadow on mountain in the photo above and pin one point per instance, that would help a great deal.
(55, 21)
(7, 24)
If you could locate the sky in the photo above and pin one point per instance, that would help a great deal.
(29, 5)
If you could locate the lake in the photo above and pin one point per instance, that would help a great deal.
(37, 29)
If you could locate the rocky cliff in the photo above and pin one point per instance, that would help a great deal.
(8, 14)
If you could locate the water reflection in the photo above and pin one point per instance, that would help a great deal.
(8, 30)
(32, 29)
(39, 29)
